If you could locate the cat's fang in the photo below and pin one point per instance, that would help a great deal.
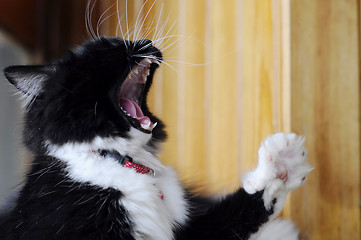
(149, 126)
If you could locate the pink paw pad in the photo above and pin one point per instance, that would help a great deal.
(283, 176)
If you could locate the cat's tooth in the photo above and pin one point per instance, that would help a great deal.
(136, 71)
(145, 126)
(125, 111)
(147, 72)
(147, 60)
(154, 125)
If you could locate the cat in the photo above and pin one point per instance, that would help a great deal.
(95, 173)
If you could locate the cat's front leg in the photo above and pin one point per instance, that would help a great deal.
(241, 215)
(282, 167)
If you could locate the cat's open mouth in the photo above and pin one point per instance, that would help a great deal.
(131, 95)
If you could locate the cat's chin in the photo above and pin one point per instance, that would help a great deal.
(132, 92)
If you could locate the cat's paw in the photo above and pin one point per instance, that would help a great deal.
(282, 165)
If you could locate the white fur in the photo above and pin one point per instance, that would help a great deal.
(153, 217)
(277, 230)
(278, 154)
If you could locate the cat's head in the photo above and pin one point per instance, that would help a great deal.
(99, 89)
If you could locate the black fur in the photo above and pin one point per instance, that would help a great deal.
(85, 80)
(51, 206)
(235, 217)
(78, 101)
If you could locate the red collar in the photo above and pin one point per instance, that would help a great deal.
(138, 167)
(125, 161)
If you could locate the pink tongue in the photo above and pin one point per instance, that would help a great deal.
(134, 110)
(144, 120)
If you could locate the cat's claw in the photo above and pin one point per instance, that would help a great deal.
(282, 167)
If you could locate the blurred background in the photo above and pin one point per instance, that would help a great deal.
(235, 72)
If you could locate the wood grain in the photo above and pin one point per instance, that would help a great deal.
(169, 90)
(260, 79)
(192, 117)
(222, 101)
(325, 108)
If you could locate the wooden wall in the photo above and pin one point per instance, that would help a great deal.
(241, 70)
(325, 106)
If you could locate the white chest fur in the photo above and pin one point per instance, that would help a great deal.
(153, 217)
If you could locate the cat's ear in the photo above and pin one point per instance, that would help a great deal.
(28, 79)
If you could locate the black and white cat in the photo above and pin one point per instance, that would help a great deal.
(95, 173)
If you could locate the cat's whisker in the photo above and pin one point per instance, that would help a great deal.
(159, 60)
(145, 46)
(100, 21)
(188, 63)
(155, 41)
(158, 21)
(90, 14)
(120, 25)
(148, 33)
(159, 29)
(170, 29)
(168, 38)
(171, 32)
(126, 18)
(105, 20)
(170, 45)
(146, 16)
(142, 37)
(87, 20)
(164, 49)
(169, 65)
(137, 21)
(130, 30)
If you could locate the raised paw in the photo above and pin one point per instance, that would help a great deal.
(282, 164)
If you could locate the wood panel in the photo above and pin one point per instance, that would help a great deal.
(222, 101)
(261, 84)
(192, 94)
(169, 89)
(325, 108)
(240, 70)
